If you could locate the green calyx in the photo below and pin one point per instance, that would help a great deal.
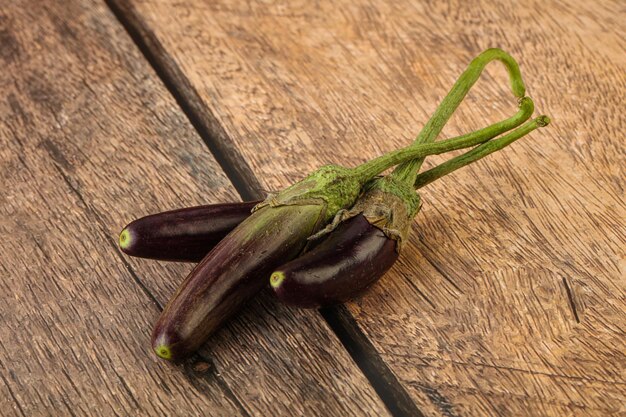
(389, 205)
(302, 217)
(331, 186)
(390, 185)
(336, 187)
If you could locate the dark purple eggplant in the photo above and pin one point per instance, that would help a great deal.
(238, 267)
(352, 258)
(241, 263)
(184, 235)
(234, 271)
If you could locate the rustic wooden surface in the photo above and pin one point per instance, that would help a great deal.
(90, 139)
(510, 297)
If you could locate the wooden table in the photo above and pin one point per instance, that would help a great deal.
(509, 298)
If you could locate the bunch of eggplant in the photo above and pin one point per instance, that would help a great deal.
(321, 241)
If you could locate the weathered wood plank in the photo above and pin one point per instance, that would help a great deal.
(510, 295)
(90, 139)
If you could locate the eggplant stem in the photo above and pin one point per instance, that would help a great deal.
(479, 152)
(408, 170)
(374, 167)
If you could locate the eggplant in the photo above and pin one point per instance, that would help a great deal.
(343, 266)
(231, 273)
(276, 232)
(183, 235)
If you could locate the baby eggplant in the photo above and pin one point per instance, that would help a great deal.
(184, 235)
(234, 271)
(347, 262)
(276, 232)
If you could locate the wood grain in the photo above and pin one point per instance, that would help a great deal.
(509, 299)
(91, 139)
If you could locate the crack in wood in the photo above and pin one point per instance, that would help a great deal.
(418, 291)
(443, 274)
(533, 372)
(441, 402)
(116, 249)
(367, 358)
(570, 297)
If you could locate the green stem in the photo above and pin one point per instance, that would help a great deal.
(408, 171)
(479, 152)
(374, 167)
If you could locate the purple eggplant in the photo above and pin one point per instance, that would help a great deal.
(234, 271)
(238, 267)
(184, 235)
(352, 258)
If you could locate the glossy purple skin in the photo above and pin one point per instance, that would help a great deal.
(184, 235)
(352, 258)
(234, 271)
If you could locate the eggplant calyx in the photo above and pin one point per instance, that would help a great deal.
(388, 204)
(341, 216)
(389, 212)
(331, 186)
(393, 186)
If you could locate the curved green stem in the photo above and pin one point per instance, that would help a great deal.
(374, 167)
(408, 171)
(479, 152)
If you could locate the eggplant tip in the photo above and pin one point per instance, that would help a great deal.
(276, 279)
(163, 351)
(125, 239)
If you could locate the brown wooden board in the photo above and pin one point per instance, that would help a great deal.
(89, 140)
(509, 298)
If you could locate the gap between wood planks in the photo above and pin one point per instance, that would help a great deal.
(338, 318)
